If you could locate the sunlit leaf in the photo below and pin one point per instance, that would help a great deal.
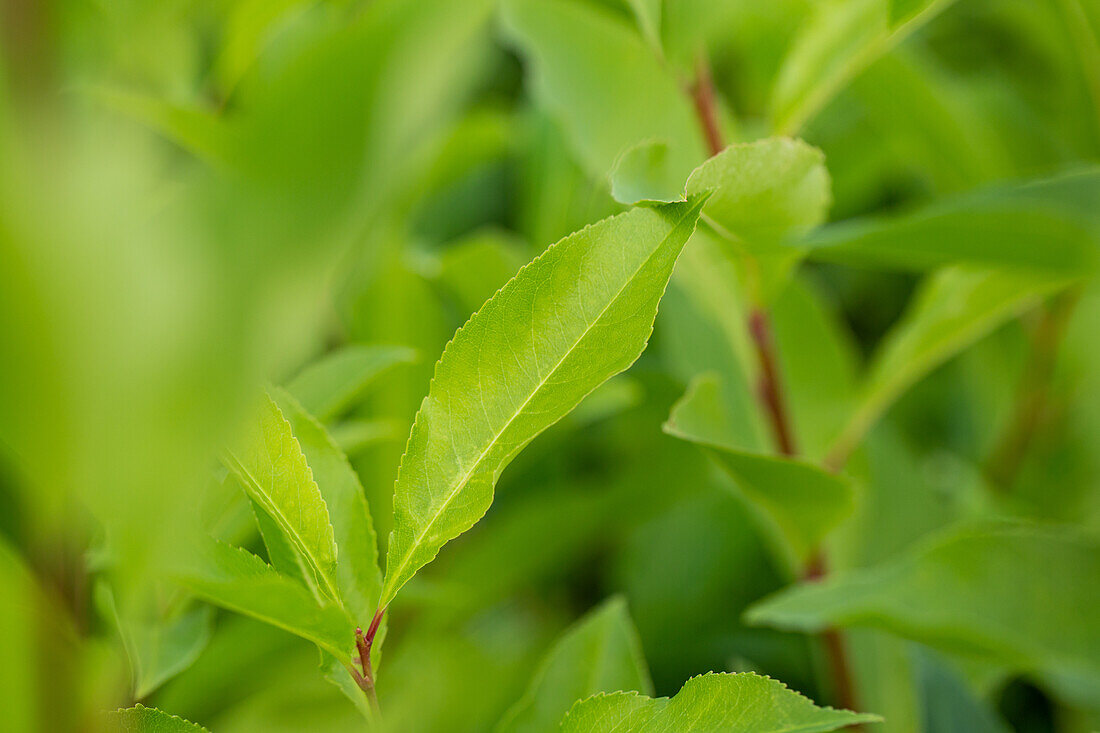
(238, 580)
(746, 703)
(273, 471)
(140, 719)
(577, 315)
(358, 576)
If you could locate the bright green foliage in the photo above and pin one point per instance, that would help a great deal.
(895, 266)
(710, 703)
(600, 653)
(329, 386)
(577, 315)
(954, 307)
(140, 719)
(799, 501)
(585, 66)
(238, 580)
(764, 191)
(358, 577)
(275, 475)
(985, 590)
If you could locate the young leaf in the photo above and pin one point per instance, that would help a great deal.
(330, 385)
(1020, 594)
(238, 580)
(745, 703)
(577, 315)
(600, 653)
(954, 308)
(766, 190)
(274, 474)
(140, 719)
(798, 500)
(358, 576)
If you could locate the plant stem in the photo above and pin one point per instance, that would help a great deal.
(702, 94)
(769, 390)
(770, 393)
(363, 644)
(1005, 459)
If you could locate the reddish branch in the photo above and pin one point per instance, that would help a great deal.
(363, 643)
(770, 393)
(702, 93)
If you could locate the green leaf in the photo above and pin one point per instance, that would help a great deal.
(331, 385)
(140, 719)
(273, 471)
(796, 500)
(1047, 226)
(358, 576)
(600, 653)
(1020, 594)
(841, 38)
(577, 315)
(763, 193)
(953, 308)
(766, 190)
(710, 703)
(238, 580)
(587, 67)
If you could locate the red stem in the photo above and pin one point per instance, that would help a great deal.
(770, 393)
(363, 644)
(703, 96)
(771, 396)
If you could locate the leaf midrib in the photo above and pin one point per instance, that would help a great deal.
(458, 486)
(292, 533)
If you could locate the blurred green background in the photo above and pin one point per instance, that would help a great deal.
(200, 197)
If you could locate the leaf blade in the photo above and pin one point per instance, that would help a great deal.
(747, 703)
(237, 580)
(140, 719)
(1018, 593)
(606, 291)
(801, 502)
(358, 576)
(274, 473)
